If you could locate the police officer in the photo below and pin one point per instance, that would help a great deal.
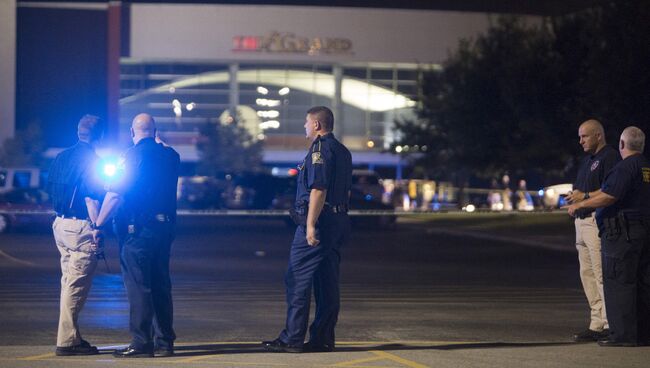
(75, 195)
(596, 164)
(322, 200)
(625, 199)
(145, 201)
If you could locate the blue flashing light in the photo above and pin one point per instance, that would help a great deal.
(110, 169)
(368, 197)
(541, 192)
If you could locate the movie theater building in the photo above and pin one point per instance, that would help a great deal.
(195, 64)
(261, 66)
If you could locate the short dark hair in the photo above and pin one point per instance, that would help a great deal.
(324, 115)
(90, 128)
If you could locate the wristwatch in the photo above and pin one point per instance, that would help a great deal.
(586, 195)
(94, 226)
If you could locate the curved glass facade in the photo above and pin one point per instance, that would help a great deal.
(272, 99)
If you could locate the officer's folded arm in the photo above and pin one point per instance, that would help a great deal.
(598, 200)
(93, 208)
(316, 202)
(112, 202)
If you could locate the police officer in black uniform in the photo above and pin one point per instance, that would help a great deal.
(145, 201)
(321, 207)
(625, 218)
(75, 193)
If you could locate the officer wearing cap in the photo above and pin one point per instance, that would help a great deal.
(75, 194)
(625, 217)
(322, 201)
(145, 201)
(596, 164)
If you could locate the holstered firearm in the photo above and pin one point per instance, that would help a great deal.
(629, 218)
(298, 213)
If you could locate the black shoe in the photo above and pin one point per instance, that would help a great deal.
(278, 346)
(163, 352)
(317, 348)
(131, 352)
(589, 335)
(608, 342)
(83, 348)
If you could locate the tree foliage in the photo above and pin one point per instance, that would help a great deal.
(511, 99)
(227, 148)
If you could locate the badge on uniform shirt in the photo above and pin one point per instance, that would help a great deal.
(316, 158)
(594, 166)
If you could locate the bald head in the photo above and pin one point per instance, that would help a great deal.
(592, 136)
(634, 139)
(595, 126)
(143, 126)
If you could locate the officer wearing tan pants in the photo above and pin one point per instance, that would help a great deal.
(75, 195)
(78, 262)
(596, 164)
(591, 275)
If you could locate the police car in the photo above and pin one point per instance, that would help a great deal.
(554, 196)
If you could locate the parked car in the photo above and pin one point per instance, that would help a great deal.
(20, 177)
(24, 207)
(554, 196)
(253, 191)
(368, 183)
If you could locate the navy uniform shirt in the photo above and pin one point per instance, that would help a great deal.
(328, 165)
(592, 172)
(629, 183)
(148, 180)
(72, 177)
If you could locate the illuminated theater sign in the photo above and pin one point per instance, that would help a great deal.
(278, 42)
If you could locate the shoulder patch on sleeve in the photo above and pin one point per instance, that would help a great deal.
(316, 158)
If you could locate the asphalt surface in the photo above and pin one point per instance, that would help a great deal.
(420, 295)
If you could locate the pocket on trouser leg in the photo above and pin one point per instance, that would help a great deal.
(619, 270)
(81, 268)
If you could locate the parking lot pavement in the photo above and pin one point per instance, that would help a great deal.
(410, 297)
(413, 354)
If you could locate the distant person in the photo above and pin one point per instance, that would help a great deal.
(507, 193)
(600, 159)
(494, 197)
(524, 199)
(323, 227)
(145, 202)
(625, 217)
(75, 195)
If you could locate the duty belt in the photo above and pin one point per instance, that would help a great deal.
(622, 222)
(584, 215)
(339, 208)
(70, 216)
(144, 219)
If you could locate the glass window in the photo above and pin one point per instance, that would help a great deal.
(22, 179)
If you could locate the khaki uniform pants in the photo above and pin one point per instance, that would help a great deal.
(78, 263)
(591, 271)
